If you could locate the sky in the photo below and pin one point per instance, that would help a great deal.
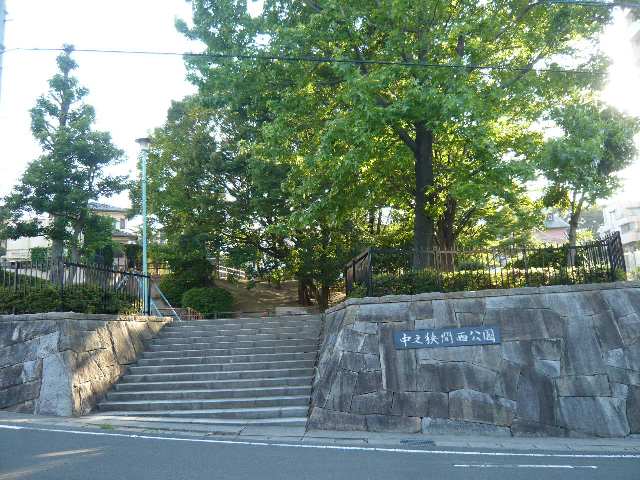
(131, 94)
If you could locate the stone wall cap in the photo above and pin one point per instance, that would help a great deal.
(498, 292)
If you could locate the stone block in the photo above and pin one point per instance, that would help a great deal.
(373, 403)
(421, 404)
(10, 376)
(459, 375)
(620, 375)
(523, 428)
(30, 350)
(123, 348)
(371, 362)
(507, 380)
(627, 358)
(421, 310)
(352, 361)
(342, 391)
(521, 302)
(607, 330)
(399, 367)
(536, 397)
(365, 327)
(56, 391)
(584, 386)
(425, 323)
(633, 409)
(135, 329)
(369, 382)
(619, 390)
(384, 312)
(546, 349)
(600, 416)
(349, 340)
(468, 319)
(370, 344)
(18, 394)
(582, 354)
(444, 426)
(444, 315)
(528, 324)
(549, 368)
(475, 406)
(80, 341)
(470, 305)
(12, 332)
(323, 419)
(386, 423)
(428, 379)
(629, 326)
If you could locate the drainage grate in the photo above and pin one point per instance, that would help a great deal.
(418, 443)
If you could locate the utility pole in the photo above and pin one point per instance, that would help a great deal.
(3, 14)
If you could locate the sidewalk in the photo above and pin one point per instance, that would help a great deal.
(107, 423)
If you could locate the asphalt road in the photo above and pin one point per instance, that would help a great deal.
(96, 455)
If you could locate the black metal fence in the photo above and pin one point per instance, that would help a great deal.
(377, 272)
(47, 285)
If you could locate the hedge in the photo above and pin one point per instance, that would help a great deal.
(208, 300)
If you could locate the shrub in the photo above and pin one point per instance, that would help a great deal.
(208, 300)
(173, 289)
(81, 299)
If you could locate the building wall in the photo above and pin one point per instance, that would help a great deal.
(568, 364)
(623, 218)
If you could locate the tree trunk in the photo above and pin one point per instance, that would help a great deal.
(323, 297)
(446, 234)
(574, 219)
(304, 294)
(372, 221)
(423, 223)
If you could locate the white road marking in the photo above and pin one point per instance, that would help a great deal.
(324, 447)
(488, 465)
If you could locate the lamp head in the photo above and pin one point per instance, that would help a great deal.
(144, 142)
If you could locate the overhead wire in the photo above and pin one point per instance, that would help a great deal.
(314, 59)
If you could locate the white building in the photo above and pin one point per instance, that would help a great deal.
(19, 250)
(624, 218)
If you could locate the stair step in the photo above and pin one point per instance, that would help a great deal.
(201, 394)
(241, 320)
(230, 413)
(212, 385)
(213, 352)
(228, 422)
(213, 376)
(219, 403)
(252, 358)
(193, 331)
(181, 345)
(221, 367)
(235, 338)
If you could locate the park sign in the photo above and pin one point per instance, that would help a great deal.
(446, 337)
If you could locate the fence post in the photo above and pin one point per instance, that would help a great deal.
(370, 272)
(61, 275)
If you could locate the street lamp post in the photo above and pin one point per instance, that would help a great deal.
(144, 146)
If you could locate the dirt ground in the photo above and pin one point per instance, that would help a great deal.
(265, 296)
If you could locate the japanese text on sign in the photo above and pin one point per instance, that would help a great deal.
(447, 337)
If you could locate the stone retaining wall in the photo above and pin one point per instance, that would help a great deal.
(63, 363)
(568, 364)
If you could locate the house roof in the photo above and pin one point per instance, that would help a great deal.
(554, 221)
(103, 207)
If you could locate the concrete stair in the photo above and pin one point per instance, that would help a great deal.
(228, 372)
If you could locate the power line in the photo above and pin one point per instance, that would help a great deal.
(311, 59)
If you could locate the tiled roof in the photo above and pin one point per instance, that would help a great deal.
(103, 207)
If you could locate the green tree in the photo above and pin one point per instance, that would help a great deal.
(580, 165)
(52, 197)
(353, 128)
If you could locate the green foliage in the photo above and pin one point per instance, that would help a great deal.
(99, 246)
(71, 170)
(597, 141)
(40, 254)
(208, 300)
(81, 299)
(414, 282)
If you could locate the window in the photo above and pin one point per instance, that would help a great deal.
(627, 227)
(123, 224)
